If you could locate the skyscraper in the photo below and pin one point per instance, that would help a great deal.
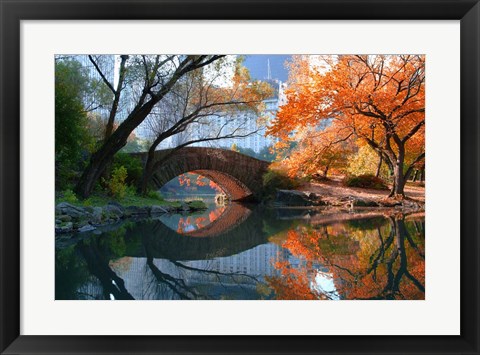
(267, 66)
(93, 100)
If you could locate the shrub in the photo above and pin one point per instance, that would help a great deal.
(117, 186)
(155, 195)
(274, 180)
(133, 165)
(69, 196)
(197, 205)
(365, 162)
(130, 191)
(365, 181)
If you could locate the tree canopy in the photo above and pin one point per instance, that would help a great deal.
(71, 136)
(378, 100)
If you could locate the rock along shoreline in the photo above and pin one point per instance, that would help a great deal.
(73, 219)
(70, 218)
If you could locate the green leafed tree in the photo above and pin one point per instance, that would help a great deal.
(70, 119)
(144, 80)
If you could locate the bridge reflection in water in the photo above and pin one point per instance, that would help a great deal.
(249, 254)
(216, 220)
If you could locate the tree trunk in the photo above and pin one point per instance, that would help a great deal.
(325, 171)
(150, 163)
(399, 181)
(113, 113)
(118, 139)
(398, 178)
(95, 169)
(415, 176)
(379, 166)
(116, 100)
(147, 171)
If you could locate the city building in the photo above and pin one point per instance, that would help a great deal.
(267, 66)
(243, 123)
(249, 124)
(93, 100)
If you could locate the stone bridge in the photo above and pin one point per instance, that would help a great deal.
(239, 175)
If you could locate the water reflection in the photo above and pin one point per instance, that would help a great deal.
(215, 220)
(378, 258)
(253, 254)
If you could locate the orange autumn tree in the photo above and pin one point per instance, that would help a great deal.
(317, 153)
(378, 99)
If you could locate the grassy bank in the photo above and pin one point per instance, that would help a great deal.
(152, 199)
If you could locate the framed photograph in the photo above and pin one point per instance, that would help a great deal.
(239, 177)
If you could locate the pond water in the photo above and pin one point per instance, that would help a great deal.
(246, 252)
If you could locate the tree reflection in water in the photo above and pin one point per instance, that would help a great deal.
(379, 258)
(257, 257)
(164, 285)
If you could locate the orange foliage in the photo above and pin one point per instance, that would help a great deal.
(293, 285)
(377, 99)
(183, 225)
(316, 153)
(377, 263)
(214, 214)
(184, 180)
(201, 180)
(200, 222)
(209, 94)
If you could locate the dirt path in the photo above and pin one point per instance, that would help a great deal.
(334, 189)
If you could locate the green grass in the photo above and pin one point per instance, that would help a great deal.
(197, 205)
(129, 200)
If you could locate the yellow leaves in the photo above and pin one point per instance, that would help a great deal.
(365, 161)
(316, 151)
(378, 90)
(376, 98)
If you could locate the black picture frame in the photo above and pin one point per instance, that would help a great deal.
(13, 12)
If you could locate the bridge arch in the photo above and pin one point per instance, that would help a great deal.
(239, 175)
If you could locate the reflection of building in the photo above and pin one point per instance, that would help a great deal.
(205, 275)
(258, 261)
(226, 277)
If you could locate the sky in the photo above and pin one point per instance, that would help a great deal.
(258, 64)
